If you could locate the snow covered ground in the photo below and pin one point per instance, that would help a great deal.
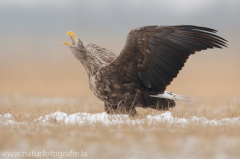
(62, 124)
(104, 118)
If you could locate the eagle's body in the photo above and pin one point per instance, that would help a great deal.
(150, 59)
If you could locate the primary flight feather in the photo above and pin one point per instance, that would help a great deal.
(150, 59)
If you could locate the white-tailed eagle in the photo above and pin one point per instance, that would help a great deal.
(151, 58)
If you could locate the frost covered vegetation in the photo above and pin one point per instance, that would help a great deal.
(203, 128)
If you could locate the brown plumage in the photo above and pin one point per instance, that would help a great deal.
(150, 59)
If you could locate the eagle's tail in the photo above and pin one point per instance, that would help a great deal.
(172, 96)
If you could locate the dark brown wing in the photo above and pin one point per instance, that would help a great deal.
(154, 55)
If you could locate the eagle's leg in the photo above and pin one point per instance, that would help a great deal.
(157, 103)
(109, 108)
(164, 104)
(121, 108)
(128, 106)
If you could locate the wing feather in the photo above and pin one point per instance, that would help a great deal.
(154, 55)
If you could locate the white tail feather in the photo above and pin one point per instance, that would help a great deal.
(172, 96)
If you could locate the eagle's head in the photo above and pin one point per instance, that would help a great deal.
(82, 53)
(77, 47)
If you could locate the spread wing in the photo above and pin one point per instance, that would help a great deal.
(154, 55)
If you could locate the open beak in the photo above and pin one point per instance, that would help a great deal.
(73, 37)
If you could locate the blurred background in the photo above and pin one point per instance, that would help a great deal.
(33, 60)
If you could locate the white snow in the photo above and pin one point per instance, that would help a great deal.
(6, 119)
(104, 118)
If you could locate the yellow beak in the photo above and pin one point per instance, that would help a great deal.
(73, 36)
